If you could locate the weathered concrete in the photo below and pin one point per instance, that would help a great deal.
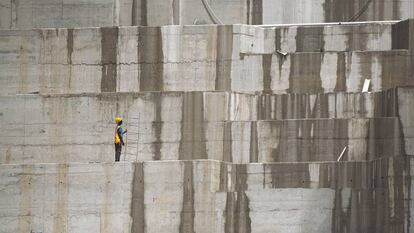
(205, 196)
(202, 58)
(201, 125)
(101, 13)
(66, 198)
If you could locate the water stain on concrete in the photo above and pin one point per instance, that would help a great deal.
(340, 73)
(257, 12)
(248, 5)
(242, 222)
(151, 68)
(230, 212)
(157, 126)
(69, 47)
(227, 142)
(109, 58)
(176, 11)
(144, 18)
(338, 10)
(310, 39)
(137, 203)
(304, 76)
(267, 73)
(224, 51)
(193, 141)
(188, 212)
(254, 150)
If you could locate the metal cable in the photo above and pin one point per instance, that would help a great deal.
(211, 13)
(360, 11)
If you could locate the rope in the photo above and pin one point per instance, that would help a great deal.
(360, 11)
(211, 13)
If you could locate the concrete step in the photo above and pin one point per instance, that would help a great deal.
(202, 58)
(158, 12)
(205, 194)
(147, 107)
(237, 141)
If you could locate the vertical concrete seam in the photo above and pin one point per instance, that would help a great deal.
(109, 58)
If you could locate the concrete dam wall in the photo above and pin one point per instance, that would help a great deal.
(206, 58)
(104, 13)
(231, 127)
(208, 196)
(243, 116)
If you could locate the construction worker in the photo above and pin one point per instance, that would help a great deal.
(119, 138)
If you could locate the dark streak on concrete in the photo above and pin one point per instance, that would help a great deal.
(224, 57)
(187, 212)
(304, 76)
(69, 44)
(223, 177)
(227, 142)
(242, 222)
(339, 10)
(289, 175)
(396, 10)
(176, 11)
(310, 39)
(257, 12)
(229, 212)
(157, 126)
(254, 150)
(278, 39)
(248, 12)
(400, 35)
(150, 58)
(193, 141)
(109, 52)
(134, 13)
(144, 21)
(137, 203)
(267, 76)
(340, 73)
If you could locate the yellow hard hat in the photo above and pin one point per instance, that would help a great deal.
(118, 119)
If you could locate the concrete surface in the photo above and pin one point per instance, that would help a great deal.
(206, 196)
(205, 58)
(207, 125)
(101, 13)
(231, 128)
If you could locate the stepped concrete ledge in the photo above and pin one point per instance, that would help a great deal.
(206, 58)
(216, 125)
(369, 196)
(236, 141)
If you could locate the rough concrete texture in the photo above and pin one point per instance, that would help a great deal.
(205, 58)
(231, 128)
(208, 196)
(101, 13)
(225, 126)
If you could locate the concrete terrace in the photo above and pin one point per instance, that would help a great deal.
(242, 116)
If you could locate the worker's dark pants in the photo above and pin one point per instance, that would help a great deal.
(118, 148)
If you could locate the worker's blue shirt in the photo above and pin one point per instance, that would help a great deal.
(121, 131)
